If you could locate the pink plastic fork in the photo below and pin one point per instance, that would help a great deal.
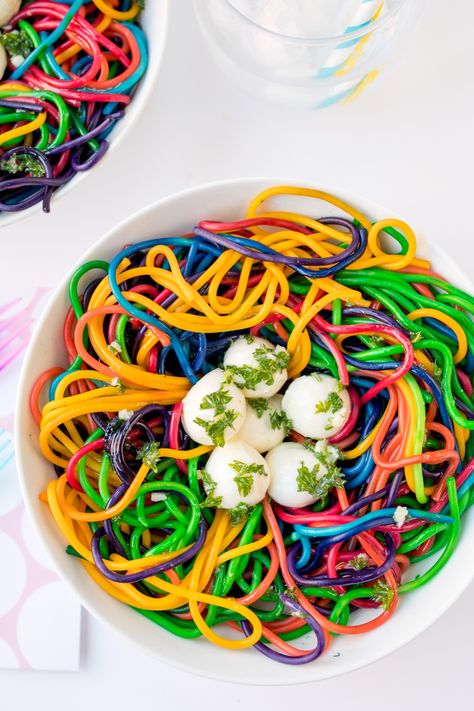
(14, 333)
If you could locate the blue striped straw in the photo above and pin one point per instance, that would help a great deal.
(346, 53)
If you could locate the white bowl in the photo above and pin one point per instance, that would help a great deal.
(419, 609)
(155, 24)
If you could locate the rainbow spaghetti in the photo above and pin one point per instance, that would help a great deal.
(134, 498)
(70, 71)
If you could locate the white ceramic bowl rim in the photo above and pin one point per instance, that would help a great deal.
(156, 15)
(174, 215)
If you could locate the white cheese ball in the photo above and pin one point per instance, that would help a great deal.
(295, 471)
(318, 405)
(236, 474)
(8, 8)
(271, 376)
(260, 428)
(214, 402)
(3, 60)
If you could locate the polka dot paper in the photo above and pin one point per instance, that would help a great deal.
(39, 617)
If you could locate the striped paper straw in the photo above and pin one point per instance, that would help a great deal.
(346, 53)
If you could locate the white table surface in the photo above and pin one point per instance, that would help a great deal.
(408, 144)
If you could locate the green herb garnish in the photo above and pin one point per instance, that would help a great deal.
(269, 360)
(117, 383)
(240, 513)
(359, 562)
(17, 43)
(244, 483)
(333, 403)
(327, 455)
(216, 400)
(383, 594)
(437, 372)
(208, 481)
(376, 341)
(211, 501)
(259, 404)
(279, 420)
(244, 468)
(318, 486)
(23, 163)
(149, 453)
(245, 474)
(216, 427)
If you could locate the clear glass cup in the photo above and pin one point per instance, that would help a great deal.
(312, 53)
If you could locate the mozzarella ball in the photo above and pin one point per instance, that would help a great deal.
(257, 366)
(213, 410)
(296, 472)
(3, 60)
(8, 8)
(263, 427)
(318, 405)
(236, 474)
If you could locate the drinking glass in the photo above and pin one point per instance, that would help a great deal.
(312, 53)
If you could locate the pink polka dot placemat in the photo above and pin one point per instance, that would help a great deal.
(39, 616)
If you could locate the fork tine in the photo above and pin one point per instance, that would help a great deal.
(9, 305)
(14, 332)
(11, 354)
(15, 320)
(14, 335)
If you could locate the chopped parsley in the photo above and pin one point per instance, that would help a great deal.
(211, 500)
(437, 372)
(208, 481)
(259, 404)
(269, 362)
(17, 43)
(216, 400)
(324, 453)
(216, 427)
(333, 403)
(245, 474)
(317, 485)
(149, 453)
(415, 337)
(249, 338)
(376, 341)
(23, 163)
(359, 562)
(115, 348)
(279, 420)
(244, 468)
(244, 483)
(117, 383)
(240, 513)
(383, 594)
